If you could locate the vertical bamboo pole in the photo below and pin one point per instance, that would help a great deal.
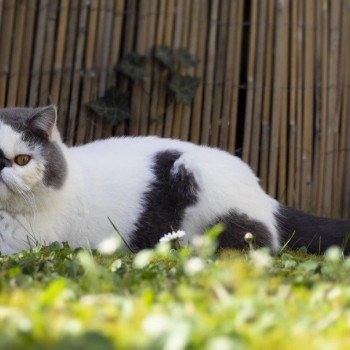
(162, 98)
(26, 55)
(89, 76)
(48, 53)
(192, 44)
(344, 74)
(300, 102)
(209, 76)
(281, 27)
(200, 71)
(267, 88)
(16, 54)
(180, 40)
(250, 82)
(219, 73)
(336, 25)
(236, 77)
(293, 103)
(129, 38)
(308, 107)
(141, 47)
(147, 86)
(229, 70)
(119, 7)
(331, 95)
(177, 36)
(155, 118)
(59, 51)
(76, 79)
(5, 40)
(65, 93)
(282, 163)
(258, 89)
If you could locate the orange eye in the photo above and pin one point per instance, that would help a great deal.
(22, 159)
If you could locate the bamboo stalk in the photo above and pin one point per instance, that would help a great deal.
(23, 84)
(250, 82)
(219, 73)
(162, 99)
(59, 51)
(293, 103)
(128, 45)
(147, 86)
(89, 77)
(16, 54)
(141, 47)
(336, 28)
(331, 95)
(266, 109)
(191, 44)
(64, 101)
(276, 104)
(177, 35)
(76, 80)
(258, 90)
(5, 39)
(119, 8)
(155, 119)
(210, 69)
(341, 197)
(282, 166)
(236, 78)
(199, 71)
(48, 53)
(180, 39)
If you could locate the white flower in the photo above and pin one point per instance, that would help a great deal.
(156, 324)
(194, 265)
(109, 245)
(333, 254)
(143, 258)
(171, 236)
(261, 258)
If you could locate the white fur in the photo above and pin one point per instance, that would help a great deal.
(108, 178)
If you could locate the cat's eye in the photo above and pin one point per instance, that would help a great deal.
(22, 159)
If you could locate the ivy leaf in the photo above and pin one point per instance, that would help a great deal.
(114, 106)
(165, 56)
(184, 88)
(133, 66)
(186, 58)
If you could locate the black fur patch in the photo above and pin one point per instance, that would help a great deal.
(236, 225)
(313, 232)
(165, 201)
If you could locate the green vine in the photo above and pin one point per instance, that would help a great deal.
(115, 104)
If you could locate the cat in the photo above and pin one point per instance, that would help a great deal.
(146, 186)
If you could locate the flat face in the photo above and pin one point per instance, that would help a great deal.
(27, 158)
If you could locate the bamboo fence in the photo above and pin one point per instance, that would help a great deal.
(274, 80)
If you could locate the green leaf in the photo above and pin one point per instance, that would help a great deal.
(133, 66)
(186, 58)
(184, 88)
(113, 106)
(165, 55)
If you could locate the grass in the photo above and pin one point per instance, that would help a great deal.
(55, 297)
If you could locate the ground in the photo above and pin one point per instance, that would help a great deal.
(174, 298)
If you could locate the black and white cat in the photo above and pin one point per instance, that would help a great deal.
(147, 186)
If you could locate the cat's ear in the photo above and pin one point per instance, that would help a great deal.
(44, 121)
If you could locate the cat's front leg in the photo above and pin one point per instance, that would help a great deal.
(15, 234)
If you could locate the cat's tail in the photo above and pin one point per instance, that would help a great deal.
(317, 234)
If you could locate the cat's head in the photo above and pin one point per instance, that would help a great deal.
(31, 153)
